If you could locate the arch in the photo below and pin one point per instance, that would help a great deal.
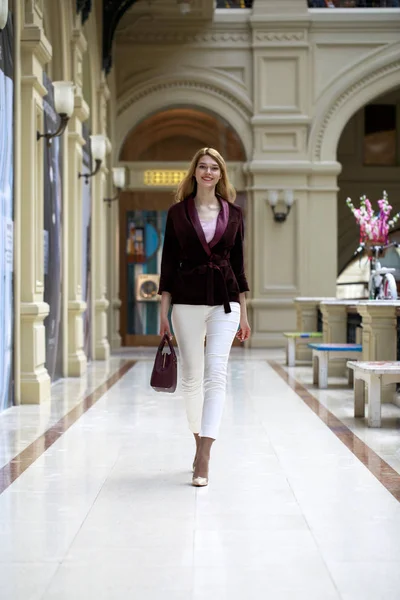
(360, 84)
(210, 92)
(199, 127)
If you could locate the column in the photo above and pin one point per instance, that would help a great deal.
(307, 320)
(334, 324)
(35, 53)
(77, 360)
(379, 335)
(112, 218)
(113, 279)
(289, 260)
(101, 350)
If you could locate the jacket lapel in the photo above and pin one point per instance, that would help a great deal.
(194, 217)
(222, 222)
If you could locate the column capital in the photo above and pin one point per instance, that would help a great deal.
(33, 12)
(81, 110)
(78, 40)
(34, 43)
(309, 302)
(103, 89)
(374, 309)
(78, 47)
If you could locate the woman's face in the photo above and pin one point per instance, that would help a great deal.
(207, 172)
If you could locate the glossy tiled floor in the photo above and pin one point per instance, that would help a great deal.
(108, 512)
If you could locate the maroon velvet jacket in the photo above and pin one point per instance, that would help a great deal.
(195, 272)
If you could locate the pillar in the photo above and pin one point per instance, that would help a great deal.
(112, 220)
(101, 349)
(289, 260)
(379, 335)
(77, 360)
(35, 53)
(306, 320)
(334, 326)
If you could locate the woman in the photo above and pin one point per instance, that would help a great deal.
(202, 275)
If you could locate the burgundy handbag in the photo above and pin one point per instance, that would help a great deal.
(165, 370)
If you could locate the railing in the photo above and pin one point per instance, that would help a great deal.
(353, 3)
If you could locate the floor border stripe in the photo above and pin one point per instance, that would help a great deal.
(385, 474)
(12, 470)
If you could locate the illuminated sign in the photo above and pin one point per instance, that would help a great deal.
(164, 178)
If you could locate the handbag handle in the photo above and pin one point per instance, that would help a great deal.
(165, 339)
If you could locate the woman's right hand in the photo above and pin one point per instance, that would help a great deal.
(165, 328)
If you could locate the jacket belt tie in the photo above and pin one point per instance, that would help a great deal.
(212, 269)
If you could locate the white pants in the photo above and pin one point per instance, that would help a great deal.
(204, 381)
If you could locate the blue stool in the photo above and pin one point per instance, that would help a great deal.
(323, 353)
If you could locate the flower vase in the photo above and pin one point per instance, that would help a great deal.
(371, 244)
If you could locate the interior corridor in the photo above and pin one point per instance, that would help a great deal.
(96, 501)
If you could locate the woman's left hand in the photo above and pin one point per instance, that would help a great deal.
(244, 331)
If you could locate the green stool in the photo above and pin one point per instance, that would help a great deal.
(294, 339)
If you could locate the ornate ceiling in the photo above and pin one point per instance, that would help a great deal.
(113, 11)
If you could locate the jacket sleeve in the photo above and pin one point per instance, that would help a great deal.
(237, 259)
(170, 258)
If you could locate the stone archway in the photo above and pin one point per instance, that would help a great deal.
(162, 143)
(362, 83)
(208, 92)
(347, 94)
(178, 133)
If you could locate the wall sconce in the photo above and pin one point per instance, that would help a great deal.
(64, 101)
(184, 6)
(3, 13)
(288, 198)
(98, 149)
(119, 183)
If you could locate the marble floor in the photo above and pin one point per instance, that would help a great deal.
(96, 501)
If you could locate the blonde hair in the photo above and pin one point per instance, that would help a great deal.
(188, 185)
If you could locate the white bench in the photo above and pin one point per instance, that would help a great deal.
(375, 375)
(323, 353)
(295, 339)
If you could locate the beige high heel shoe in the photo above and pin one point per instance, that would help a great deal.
(200, 481)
